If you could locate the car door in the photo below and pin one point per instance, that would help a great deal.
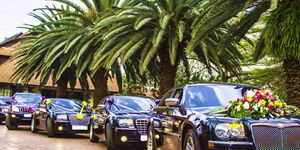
(171, 121)
(103, 114)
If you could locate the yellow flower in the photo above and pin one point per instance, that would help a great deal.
(249, 99)
(240, 103)
(271, 103)
(279, 104)
(79, 116)
(94, 117)
(266, 91)
(84, 103)
(48, 102)
(262, 102)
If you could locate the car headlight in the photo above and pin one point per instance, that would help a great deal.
(5, 110)
(62, 117)
(156, 123)
(128, 123)
(230, 130)
(15, 109)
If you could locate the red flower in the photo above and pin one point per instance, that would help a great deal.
(250, 108)
(260, 97)
(271, 107)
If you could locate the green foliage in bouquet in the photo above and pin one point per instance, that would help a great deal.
(260, 104)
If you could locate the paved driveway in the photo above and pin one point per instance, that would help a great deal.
(25, 140)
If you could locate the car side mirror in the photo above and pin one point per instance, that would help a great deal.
(100, 108)
(172, 102)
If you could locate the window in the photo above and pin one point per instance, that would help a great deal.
(168, 95)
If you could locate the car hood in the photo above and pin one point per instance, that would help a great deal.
(206, 114)
(130, 114)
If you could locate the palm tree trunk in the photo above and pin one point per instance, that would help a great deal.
(62, 86)
(100, 86)
(167, 72)
(292, 70)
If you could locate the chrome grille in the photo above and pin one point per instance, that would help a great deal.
(74, 121)
(276, 136)
(142, 125)
(291, 137)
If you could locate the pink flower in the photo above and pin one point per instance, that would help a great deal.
(278, 111)
(245, 101)
(225, 107)
(271, 107)
(250, 109)
(257, 93)
(272, 98)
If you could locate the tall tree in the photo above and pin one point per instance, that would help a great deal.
(158, 31)
(279, 39)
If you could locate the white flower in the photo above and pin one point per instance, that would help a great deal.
(250, 93)
(238, 108)
(246, 105)
(255, 107)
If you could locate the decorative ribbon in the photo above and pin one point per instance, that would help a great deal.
(79, 116)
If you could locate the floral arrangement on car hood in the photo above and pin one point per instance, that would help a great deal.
(79, 116)
(259, 104)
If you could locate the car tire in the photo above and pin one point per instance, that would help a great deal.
(33, 127)
(191, 141)
(10, 124)
(93, 137)
(111, 145)
(151, 141)
(50, 129)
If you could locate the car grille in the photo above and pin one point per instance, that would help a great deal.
(276, 136)
(74, 121)
(142, 125)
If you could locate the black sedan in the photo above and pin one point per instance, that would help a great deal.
(59, 115)
(4, 106)
(122, 121)
(21, 107)
(184, 121)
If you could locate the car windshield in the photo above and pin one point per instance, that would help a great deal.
(212, 95)
(28, 98)
(128, 103)
(67, 104)
(3, 100)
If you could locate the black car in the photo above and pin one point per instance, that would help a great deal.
(21, 108)
(122, 121)
(5, 101)
(184, 121)
(60, 116)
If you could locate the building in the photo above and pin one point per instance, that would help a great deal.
(7, 67)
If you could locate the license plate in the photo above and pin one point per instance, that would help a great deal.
(79, 127)
(27, 115)
(143, 138)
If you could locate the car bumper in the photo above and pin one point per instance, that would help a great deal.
(132, 135)
(66, 127)
(230, 145)
(21, 118)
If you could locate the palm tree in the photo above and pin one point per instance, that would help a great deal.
(279, 39)
(158, 32)
(33, 58)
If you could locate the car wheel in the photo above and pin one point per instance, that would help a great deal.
(93, 137)
(151, 142)
(111, 145)
(50, 129)
(33, 127)
(10, 124)
(191, 141)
